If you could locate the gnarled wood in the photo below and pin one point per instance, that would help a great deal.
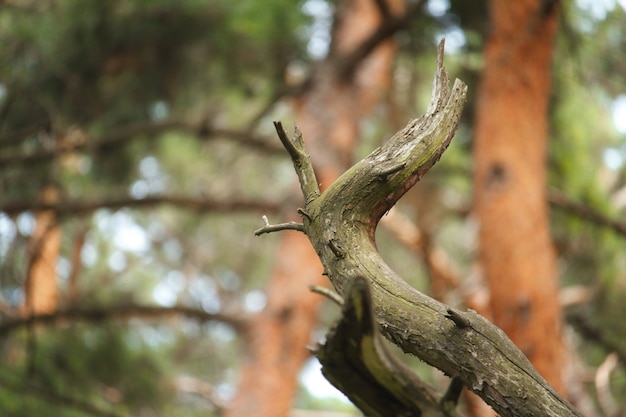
(355, 360)
(341, 223)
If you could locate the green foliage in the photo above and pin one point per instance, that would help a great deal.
(106, 367)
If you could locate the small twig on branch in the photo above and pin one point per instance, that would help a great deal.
(328, 293)
(271, 228)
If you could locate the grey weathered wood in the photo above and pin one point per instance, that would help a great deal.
(341, 224)
(355, 359)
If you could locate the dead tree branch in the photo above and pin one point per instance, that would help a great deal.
(341, 225)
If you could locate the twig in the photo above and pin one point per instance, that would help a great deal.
(271, 228)
(328, 293)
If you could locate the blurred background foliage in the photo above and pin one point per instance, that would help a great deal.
(174, 101)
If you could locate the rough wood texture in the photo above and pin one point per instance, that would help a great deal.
(356, 361)
(340, 224)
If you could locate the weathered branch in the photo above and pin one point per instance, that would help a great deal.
(341, 226)
(355, 360)
(76, 207)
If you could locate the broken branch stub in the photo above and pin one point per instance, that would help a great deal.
(355, 360)
(341, 225)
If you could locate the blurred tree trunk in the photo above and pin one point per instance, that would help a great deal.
(328, 114)
(41, 290)
(511, 133)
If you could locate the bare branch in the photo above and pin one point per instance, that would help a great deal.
(123, 134)
(585, 212)
(98, 314)
(271, 228)
(73, 207)
(389, 26)
(328, 293)
(462, 344)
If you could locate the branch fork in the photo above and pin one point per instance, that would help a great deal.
(341, 225)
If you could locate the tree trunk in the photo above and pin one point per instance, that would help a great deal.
(328, 114)
(516, 252)
(41, 290)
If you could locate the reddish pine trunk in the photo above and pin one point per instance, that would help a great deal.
(511, 134)
(328, 116)
(41, 291)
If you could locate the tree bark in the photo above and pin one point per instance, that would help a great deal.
(341, 224)
(516, 252)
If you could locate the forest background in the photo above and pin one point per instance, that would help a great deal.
(137, 157)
